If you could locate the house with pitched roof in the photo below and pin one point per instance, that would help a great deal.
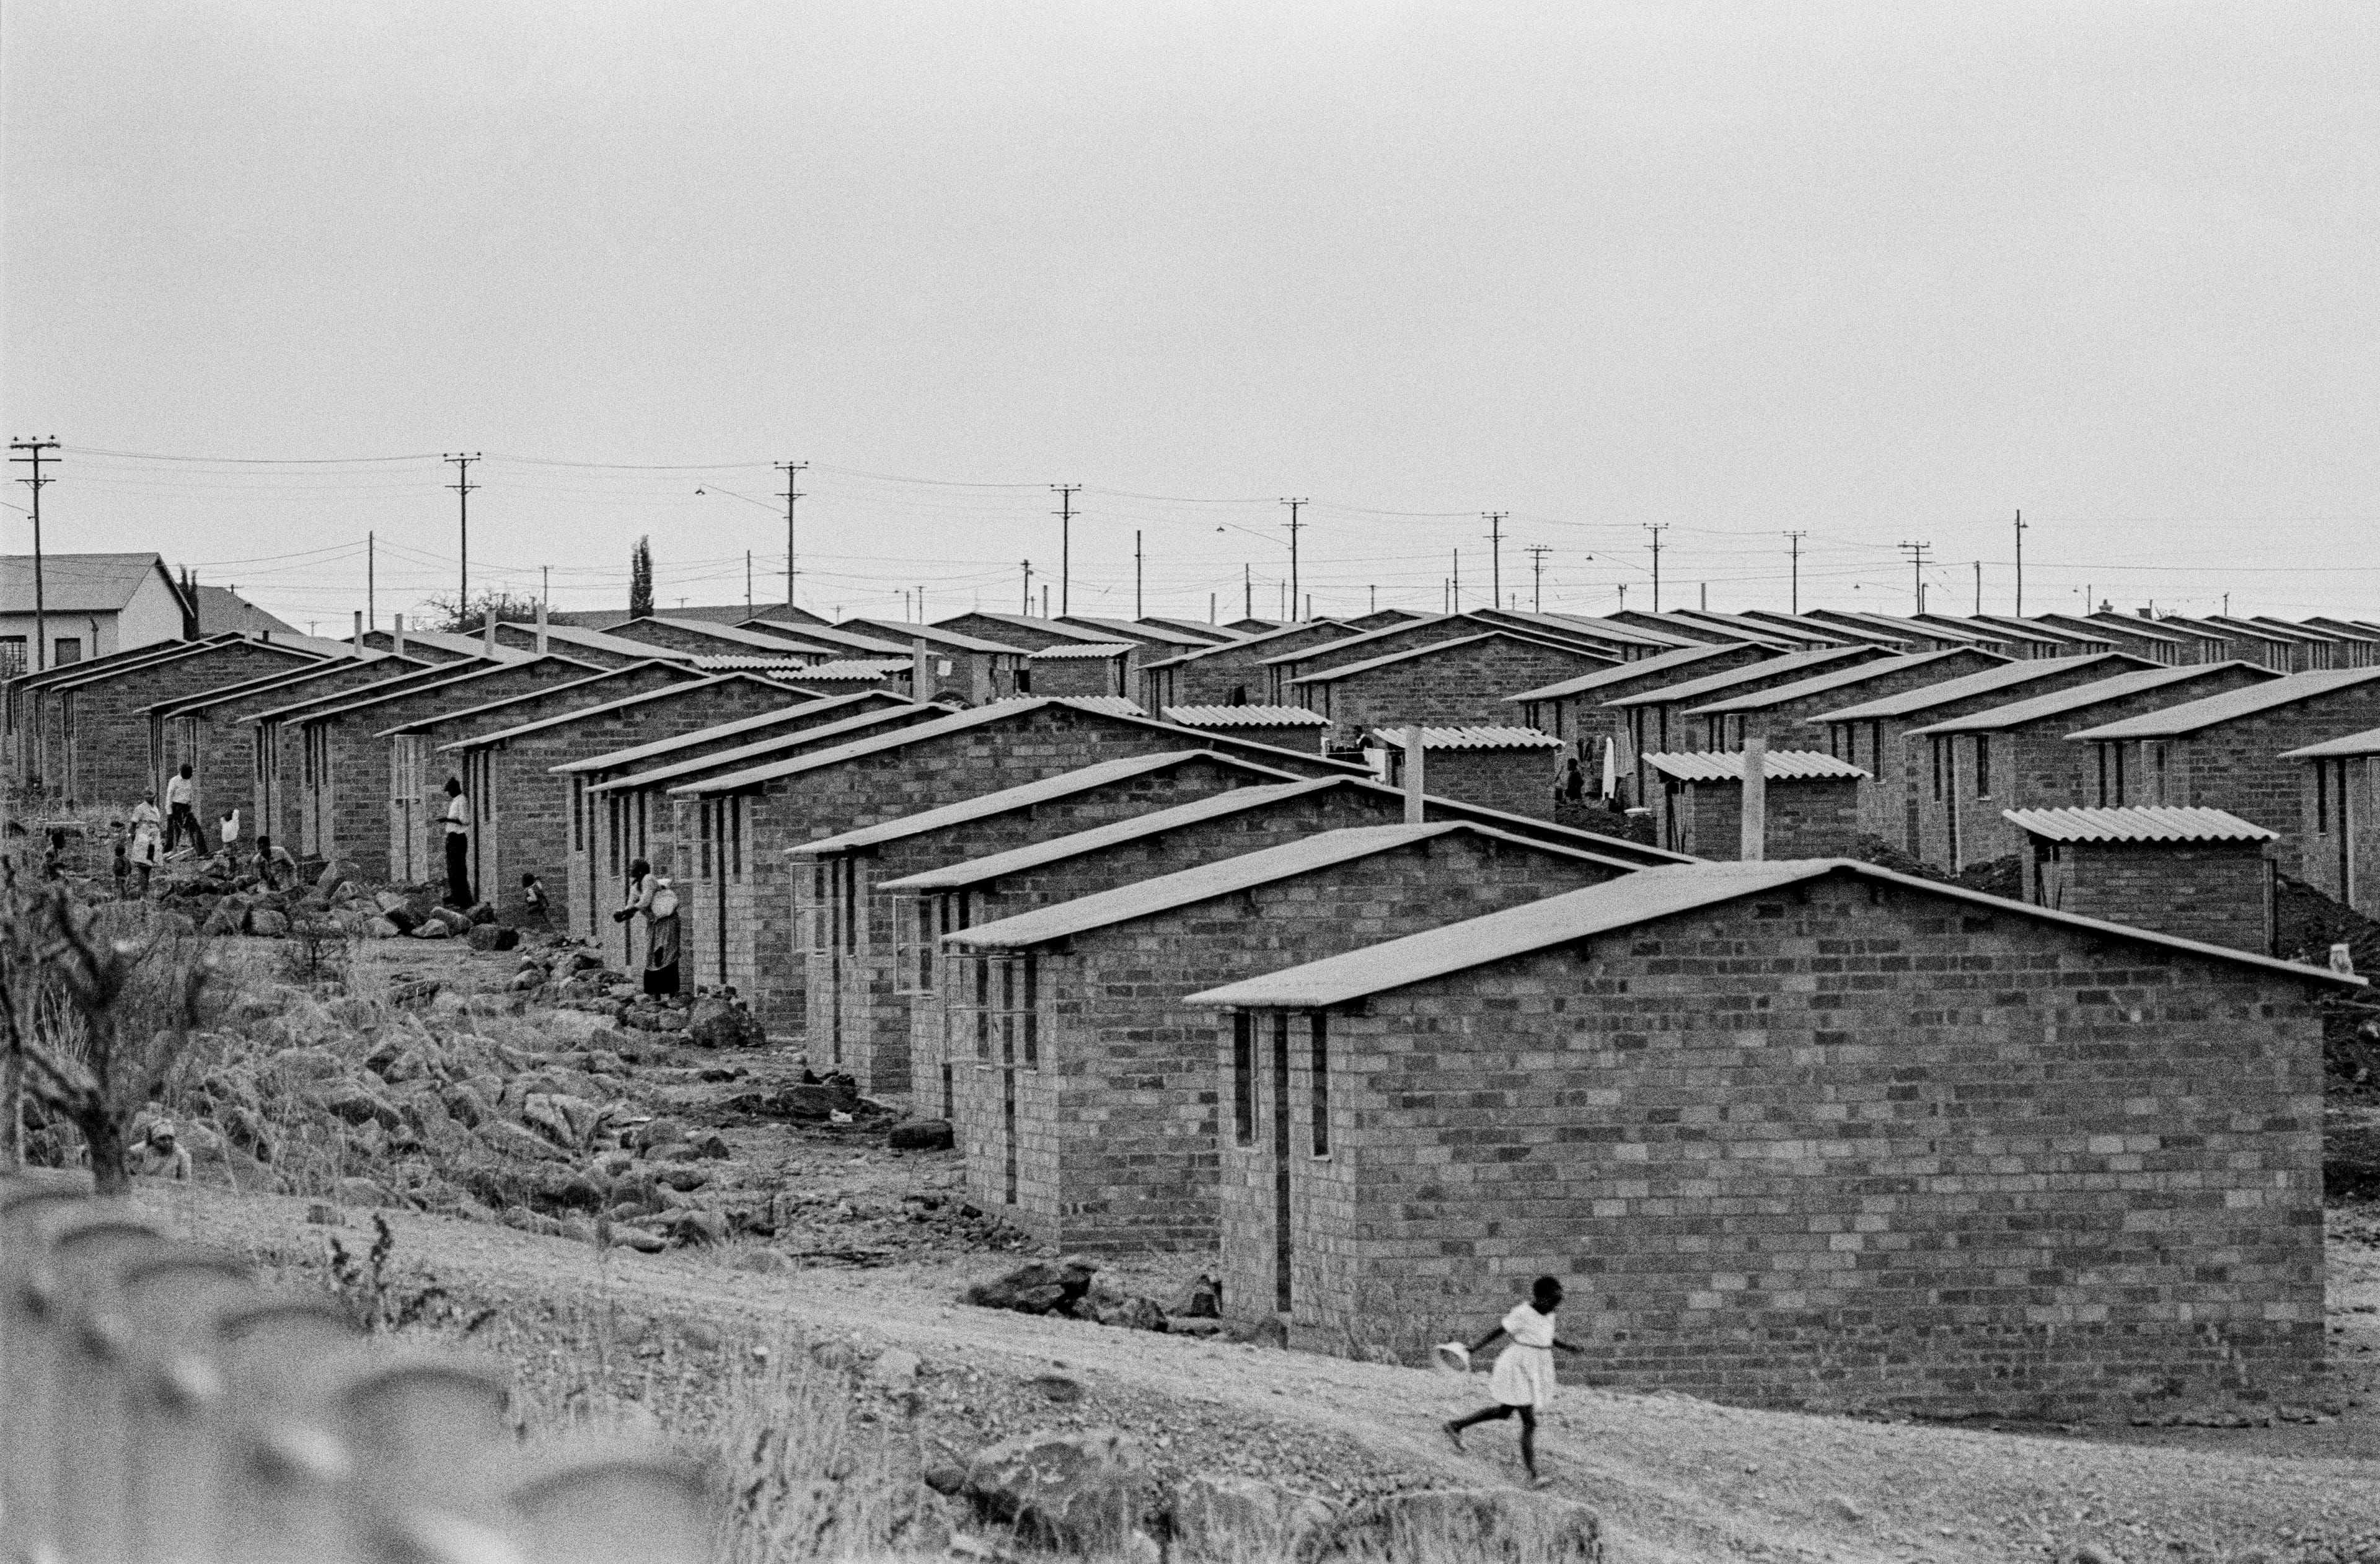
(1809, 804)
(89, 741)
(93, 605)
(1290, 727)
(1574, 710)
(1088, 1116)
(1514, 770)
(2015, 757)
(1775, 1180)
(1782, 714)
(1653, 720)
(1445, 684)
(1231, 674)
(2196, 874)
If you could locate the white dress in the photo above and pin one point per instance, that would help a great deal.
(1524, 1371)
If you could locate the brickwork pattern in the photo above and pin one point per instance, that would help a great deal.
(1081, 675)
(1462, 687)
(1835, 1151)
(1808, 817)
(1118, 1130)
(1519, 782)
(2339, 824)
(2238, 766)
(1231, 674)
(1785, 725)
(1343, 651)
(106, 755)
(2216, 891)
(1585, 721)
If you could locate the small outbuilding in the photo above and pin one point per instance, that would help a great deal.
(2197, 873)
(1810, 806)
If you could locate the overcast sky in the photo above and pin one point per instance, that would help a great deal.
(1879, 272)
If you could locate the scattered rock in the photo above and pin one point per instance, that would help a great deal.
(503, 1135)
(1469, 1523)
(710, 1146)
(641, 1240)
(895, 1368)
(923, 1135)
(1038, 1288)
(356, 1103)
(716, 1022)
(700, 1335)
(568, 1121)
(322, 1213)
(700, 1227)
(360, 1192)
(659, 1131)
(1202, 1300)
(1081, 1492)
(494, 937)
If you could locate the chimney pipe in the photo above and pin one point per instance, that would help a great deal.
(1416, 812)
(921, 674)
(1756, 799)
(396, 634)
(540, 626)
(359, 635)
(488, 632)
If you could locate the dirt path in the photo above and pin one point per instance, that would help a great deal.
(1675, 1479)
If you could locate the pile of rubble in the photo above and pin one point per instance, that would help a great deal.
(1076, 1288)
(577, 979)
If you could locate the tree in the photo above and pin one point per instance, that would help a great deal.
(640, 579)
(94, 1025)
(457, 617)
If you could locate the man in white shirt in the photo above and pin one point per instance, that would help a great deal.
(181, 812)
(458, 846)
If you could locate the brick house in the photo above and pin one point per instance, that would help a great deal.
(1232, 674)
(1282, 668)
(22, 704)
(2226, 751)
(1451, 684)
(1605, 637)
(524, 816)
(858, 1015)
(1156, 641)
(2139, 636)
(698, 637)
(2195, 874)
(764, 809)
(2016, 756)
(417, 774)
(1850, 634)
(1085, 668)
(1811, 803)
(1021, 630)
(1216, 634)
(1574, 710)
(1089, 1115)
(2339, 810)
(1285, 727)
(437, 646)
(968, 667)
(1513, 769)
(91, 747)
(2018, 638)
(2246, 643)
(1915, 634)
(593, 647)
(630, 815)
(1651, 721)
(210, 733)
(2202, 645)
(343, 791)
(1874, 733)
(1706, 628)
(1928, 1149)
(1782, 714)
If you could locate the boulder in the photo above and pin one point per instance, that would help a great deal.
(922, 1135)
(226, 918)
(380, 928)
(658, 1132)
(350, 1099)
(684, 1179)
(295, 1066)
(895, 1368)
(710, 1146)
(571, 1190)
(433, 930)
(1079, 1492)
(1038, 1288)
(494, 937)
(1502, 1525)
(503, 1135)
(1133, 1314)
(815, 1103)
(568, 1120)
(360, 1192)
(699, 1227)
(1203, 1299)
(389, 902)
(716, 1022)
(466, 1106)
(642, 1240)
(268, 924)
(1223, 1517)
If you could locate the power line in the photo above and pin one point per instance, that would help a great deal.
(791, 470)
(1916, 552)
(1536, 552)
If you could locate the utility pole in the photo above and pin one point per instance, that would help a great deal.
(37, 451)
(1458, 582)
(1247, 592)
(793, 493)
(1293, 524)
(1028, 609)
(1376, 598)
(747, 583)
(1916, 552)
(2020, 570)
(1656, 529)
(1067, 492)
(545, 582)
(1793, 541)
(1979, 587)
(463, 486)
(1536, 552)
(1135, 572)
(1495, 520)
(371, 580)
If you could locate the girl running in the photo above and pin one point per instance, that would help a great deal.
(1523, 1380)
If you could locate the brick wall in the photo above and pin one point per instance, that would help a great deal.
(344, 764)
(1234, 674)
(2237, 766)
(1461, 686)
(518, 638)
(1304, 737)
(1808, 817)
(1518, 780)
(1117, 1132)
(2032, 767)
(1080, 675)
(1659, 727)
(1035, 742)
(107, 756)
(220, 744)
(1585, 722)
(2338, 811)
(1914, 1155)
(1785, 725)
(2216, 891)
(1343, 651)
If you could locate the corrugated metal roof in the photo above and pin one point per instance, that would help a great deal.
(2061, 703)
(594, 640)
(761, 640)
(1720, 683)
(1245, 717)
(583, 686)
(1626, 902)
(1472, 738)
(2345, 748)
(477, 646)
(2137, 823)
(2114, 628)
(79, 583)
(1068, 651)
(625, 703)
(1644, 667)
(1018, 860)
(1113, 705)
(1833, 679)
(1146, 898)
(1433, 648)
(282, 679)
(2232, 705)
(1139, 630)
(1256, 638)
(934, 636)
(1789, 765)
(1030, 622)
(852, 669)
(460, 677)
(613, 760)
(983, 806)
(790, 667)
(1926, 696)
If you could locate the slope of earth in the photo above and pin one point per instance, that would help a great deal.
(1676, 1480)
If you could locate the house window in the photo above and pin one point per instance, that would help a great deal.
(12, 656)
(66, 649)
(2157, 755)
(982, 1008)
(1318, 1073)
(913, 944)
(1983, 765)
(702, 813)
(1008, 1008)
(578, 814)
(847, 902)
(1244, 1079)
(809, 907)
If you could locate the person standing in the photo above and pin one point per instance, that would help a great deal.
(148, 850)
(657, 901)
(181, 812)
(457, 825)
(1523, 1380)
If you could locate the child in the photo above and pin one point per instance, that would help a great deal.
(533, 905)
(1523, 1380)
(123, 865)
(53, 862)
